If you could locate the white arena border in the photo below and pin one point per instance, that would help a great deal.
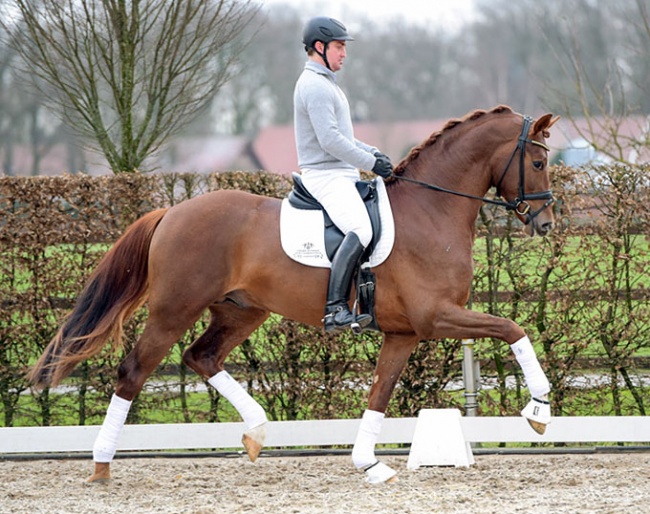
(316, 433)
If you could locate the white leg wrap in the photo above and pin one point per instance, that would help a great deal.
(536, 380)
(251, 412)
(363, 452)
(106, 443)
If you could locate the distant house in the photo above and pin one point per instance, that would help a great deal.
(571, 141)
(275, 150)
(206, 155)
(51, 160)
(578, 152)
(275, 147)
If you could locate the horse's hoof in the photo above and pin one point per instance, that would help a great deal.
(253, 441)
(540, 428)
(102, 473)
(379, 473)
(538, 414)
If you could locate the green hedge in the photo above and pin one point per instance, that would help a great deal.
(582, 295)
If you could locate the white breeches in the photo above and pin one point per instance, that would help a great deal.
(337, 193)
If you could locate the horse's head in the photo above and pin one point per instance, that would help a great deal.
(524, 182)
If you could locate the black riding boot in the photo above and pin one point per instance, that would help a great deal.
(337, 311)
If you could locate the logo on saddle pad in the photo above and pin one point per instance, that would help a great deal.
(307, 251)
(309, 237)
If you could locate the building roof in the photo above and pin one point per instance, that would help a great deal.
(275, 146)
(631, 143)
(203, 155)
(275, 149)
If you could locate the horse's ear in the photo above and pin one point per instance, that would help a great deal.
(544, 123)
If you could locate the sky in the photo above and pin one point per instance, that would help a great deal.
(441, 13)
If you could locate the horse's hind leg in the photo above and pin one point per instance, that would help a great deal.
(229, 326)
(160, 333)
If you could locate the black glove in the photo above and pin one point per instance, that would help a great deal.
(383, 167)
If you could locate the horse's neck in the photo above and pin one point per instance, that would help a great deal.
(459, 163)
(423, 215)
(464, 178)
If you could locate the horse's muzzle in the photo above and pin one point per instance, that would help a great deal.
(539, 227)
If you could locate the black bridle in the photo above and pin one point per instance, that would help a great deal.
(520, 204)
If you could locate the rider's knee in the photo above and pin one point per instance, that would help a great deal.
(364, 234)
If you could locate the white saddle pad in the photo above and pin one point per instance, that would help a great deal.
(302, 233)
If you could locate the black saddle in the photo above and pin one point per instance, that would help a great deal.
(300, 198)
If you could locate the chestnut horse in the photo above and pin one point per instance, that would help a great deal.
(221, 251)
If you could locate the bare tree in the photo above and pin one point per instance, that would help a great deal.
(25, 129)
(127, 74)
(602, 49)
(261, 91)
(8, 115)
(405, 79)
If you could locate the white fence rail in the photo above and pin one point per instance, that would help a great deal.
(286, 434)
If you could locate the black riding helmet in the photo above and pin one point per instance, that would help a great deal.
(326, 30)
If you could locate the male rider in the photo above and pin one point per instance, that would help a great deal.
(330, 158)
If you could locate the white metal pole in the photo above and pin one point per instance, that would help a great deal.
(470, 376)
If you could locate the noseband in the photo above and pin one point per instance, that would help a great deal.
(520, 204)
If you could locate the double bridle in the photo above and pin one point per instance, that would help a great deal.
(520, 204)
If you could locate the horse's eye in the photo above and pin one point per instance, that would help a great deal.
(538, 165)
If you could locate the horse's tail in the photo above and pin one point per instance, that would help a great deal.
(116, 288)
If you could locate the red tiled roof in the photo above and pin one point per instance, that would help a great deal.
(275, 148)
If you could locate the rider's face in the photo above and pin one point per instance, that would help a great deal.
(336, 52)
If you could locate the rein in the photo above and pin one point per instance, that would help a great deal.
(520, 204)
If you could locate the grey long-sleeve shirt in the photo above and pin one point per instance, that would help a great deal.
(323, 125)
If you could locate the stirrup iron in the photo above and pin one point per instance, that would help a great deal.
(356, 324)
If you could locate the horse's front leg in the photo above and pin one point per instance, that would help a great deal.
(393, 356)
(538, 410)
(460, 323)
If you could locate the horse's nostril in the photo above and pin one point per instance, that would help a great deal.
(547, 227)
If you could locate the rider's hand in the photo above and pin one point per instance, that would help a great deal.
(383, 167)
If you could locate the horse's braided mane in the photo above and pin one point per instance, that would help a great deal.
(474, 115)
